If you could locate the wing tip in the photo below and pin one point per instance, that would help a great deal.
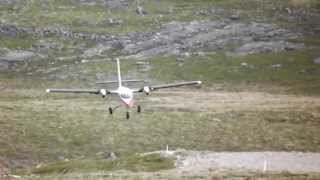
(48, 90)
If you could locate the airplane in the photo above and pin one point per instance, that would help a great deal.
(125, 94)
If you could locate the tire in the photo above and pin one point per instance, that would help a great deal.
(110, 110)
(139, 109)
(127, 115)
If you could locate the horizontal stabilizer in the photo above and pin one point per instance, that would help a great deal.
(112, 82)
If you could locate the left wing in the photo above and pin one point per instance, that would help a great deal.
(148, 89)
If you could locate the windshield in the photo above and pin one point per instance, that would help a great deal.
(125, 96)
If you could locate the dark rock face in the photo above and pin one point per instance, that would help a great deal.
(11, 30)
(177, 38)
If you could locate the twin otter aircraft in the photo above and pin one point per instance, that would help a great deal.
(125, 94)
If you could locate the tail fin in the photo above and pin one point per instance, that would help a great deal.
(119, 72)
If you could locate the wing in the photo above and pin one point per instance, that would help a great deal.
(190, 83)
(88, 91)
(147, 89)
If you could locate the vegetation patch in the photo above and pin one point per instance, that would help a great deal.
(294, 71)
(134, 163)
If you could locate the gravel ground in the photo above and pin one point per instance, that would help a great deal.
(293, 162)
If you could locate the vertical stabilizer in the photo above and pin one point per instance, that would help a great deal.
(119, 73)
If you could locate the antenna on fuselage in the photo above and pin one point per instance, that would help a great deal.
(119, 72)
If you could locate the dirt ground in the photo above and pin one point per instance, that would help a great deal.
(292, 162)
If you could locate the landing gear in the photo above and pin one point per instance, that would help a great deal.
(139, 109)
(127, 115)
(110, 110)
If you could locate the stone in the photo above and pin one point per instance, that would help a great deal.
(316, 61)
(111, 156)
(244, 64)
(276, 66)
(18, 55)
(96, 51)
(140, 11)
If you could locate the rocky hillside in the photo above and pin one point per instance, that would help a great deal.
(76, 39)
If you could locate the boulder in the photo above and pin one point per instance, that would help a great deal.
(140, 11)
(96, 51)
(18, 55)
(316, 61)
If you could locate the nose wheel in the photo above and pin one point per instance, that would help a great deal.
(139, 109)
(127, 115)
(110, 110)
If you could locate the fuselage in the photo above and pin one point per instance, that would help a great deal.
(126, 95)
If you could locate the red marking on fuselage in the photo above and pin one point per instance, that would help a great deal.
(127, 104)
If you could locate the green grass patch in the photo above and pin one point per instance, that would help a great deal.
(134, 163)
(16, 42)
(297, 74)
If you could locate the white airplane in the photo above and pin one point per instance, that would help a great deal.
(125, 94)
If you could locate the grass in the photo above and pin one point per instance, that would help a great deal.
(134, 163)
(92, 18)
(46, 127)
(39, 128)
(16, 43)
(298, 74)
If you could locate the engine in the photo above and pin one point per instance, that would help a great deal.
(147, 90)
(103, 92)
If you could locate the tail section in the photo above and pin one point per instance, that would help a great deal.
(119, 72)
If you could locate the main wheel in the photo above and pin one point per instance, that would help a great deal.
(127, 115)
(110, 110)
(139, 109)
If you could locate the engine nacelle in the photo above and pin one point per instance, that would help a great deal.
(103, 92)
(147, 90)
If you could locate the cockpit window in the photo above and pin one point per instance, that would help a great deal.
(125, 96)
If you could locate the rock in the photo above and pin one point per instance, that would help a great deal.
(276, 66)
(5, 65)
(316, 61)
(18, 55)
(234, 17)
(244, 64)
(140, 11)
(9, 1)
(44, 46)
(111, 156)
(266, 47)
(112, 21)
(96, 51)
